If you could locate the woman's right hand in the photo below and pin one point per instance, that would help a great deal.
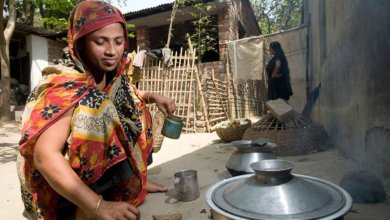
(117, 211)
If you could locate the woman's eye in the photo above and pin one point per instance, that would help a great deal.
(119, 42)
(99, 41)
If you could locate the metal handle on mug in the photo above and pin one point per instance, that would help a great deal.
(179, 186)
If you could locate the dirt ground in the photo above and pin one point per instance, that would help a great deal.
(192, 151)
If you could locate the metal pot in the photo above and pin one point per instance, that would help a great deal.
(274, 193)
(247, 152)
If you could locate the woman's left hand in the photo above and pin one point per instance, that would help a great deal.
(166, 105)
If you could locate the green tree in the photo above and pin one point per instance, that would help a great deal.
(202, 35)
(55, 13)
(275, 15)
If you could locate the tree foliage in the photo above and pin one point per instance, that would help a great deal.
(55, 13)
(277, 15)
(50, 14)
(204, 31)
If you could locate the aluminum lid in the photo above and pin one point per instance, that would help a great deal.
(274, 193)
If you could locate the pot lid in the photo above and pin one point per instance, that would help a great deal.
(259, 143)
(274, 193)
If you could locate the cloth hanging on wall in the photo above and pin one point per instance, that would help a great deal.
(247, 58)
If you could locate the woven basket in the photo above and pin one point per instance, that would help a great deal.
(158, 138)
(233, 133)
(298, 136)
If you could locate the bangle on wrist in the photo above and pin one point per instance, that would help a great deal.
(149, 97)
(97, 207)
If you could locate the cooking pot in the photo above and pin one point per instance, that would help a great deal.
(247, 152)
(274, 193)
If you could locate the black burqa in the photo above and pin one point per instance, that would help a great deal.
(279, 87)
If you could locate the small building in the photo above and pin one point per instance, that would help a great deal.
(233, 19)
(32, 49)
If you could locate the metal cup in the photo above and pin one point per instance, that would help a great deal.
(186, 185)
(172, 127)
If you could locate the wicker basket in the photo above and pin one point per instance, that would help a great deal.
(233, 133)
(158, 138)
(299, 136)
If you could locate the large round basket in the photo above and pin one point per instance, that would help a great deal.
(233, 133)
(298, 136)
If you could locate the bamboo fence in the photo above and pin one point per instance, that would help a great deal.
(217, 99)
(177, 82)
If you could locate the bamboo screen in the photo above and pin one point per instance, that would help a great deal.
(217, 99)
(177, 82)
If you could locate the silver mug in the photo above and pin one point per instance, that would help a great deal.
(186, 185)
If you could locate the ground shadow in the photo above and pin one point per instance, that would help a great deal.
(8, 152)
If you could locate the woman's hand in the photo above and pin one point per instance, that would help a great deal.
(276, 71)
(117, 211)
(166, 105)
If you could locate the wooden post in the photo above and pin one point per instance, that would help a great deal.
(229, 86)
(206, 117)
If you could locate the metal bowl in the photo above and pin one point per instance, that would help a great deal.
(247, 152)
(274, 193)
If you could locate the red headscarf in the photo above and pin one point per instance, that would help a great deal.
(89, 16)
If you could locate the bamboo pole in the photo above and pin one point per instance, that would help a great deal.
(206, 117)
(229, 83)
(191, 56)
(174, 9)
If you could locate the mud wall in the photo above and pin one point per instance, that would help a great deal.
(349, 58)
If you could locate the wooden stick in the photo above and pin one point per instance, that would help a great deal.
(218, 94)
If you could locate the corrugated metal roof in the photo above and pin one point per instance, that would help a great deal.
(152, 10)
(149, 11)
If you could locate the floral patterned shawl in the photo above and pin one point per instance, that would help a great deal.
(107, 127)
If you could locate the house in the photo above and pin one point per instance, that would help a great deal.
(234, 20)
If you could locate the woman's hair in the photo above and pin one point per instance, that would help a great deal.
(275, 45)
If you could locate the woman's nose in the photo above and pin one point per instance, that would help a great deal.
(110, 49)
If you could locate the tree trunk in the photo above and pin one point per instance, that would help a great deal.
(42, 11)
(5, 39)
(41, 8)
(31, 13)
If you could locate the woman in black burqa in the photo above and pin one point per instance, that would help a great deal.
(279, 85)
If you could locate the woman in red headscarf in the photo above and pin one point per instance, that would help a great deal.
(86, 134)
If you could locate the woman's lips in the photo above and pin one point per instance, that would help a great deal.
(110, 62)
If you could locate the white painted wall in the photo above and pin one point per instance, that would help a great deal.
(37, 47)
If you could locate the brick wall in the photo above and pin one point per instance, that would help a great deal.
(242, 12)
(219, 68)
(223, 33)
(239, 13)
(143, 37)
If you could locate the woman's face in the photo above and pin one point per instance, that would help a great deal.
(271, 51)
(102, 50)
